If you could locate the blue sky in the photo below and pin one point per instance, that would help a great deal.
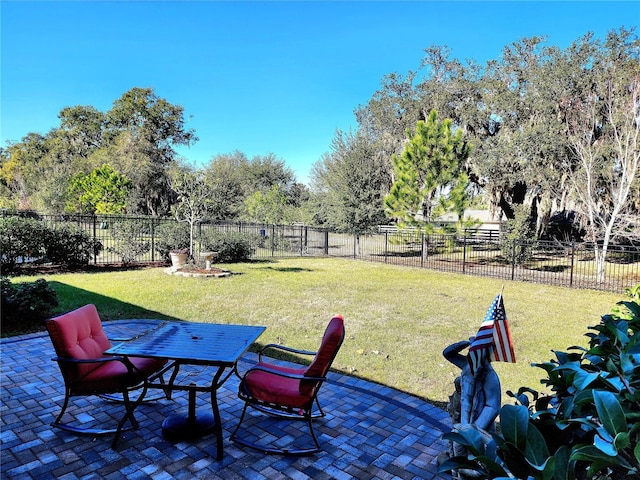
(259, 77)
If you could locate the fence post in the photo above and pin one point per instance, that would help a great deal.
(426, 246)
(326, 241)
(306, 239)
(355, 239)
(422, 250)
(273, 240)
(301, 249)
(386, 245)
(153, 239)
(513, 260)
(573, 254)
(464, 252)
(95, 239)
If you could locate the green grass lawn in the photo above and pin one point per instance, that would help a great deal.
(398, 319)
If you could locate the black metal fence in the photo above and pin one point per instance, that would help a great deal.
(482, 252)
(487, 253)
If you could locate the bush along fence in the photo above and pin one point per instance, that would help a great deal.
(108, 239)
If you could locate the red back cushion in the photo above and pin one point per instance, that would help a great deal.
(331, 342)
(79, 334)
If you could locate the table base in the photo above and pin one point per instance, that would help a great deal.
(176, 428)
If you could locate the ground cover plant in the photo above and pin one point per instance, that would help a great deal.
(398, 319)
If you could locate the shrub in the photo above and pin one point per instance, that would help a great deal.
(20, 238)
(25, 306)
(68, 245)
(517, 246)
(171, 236)
(230, 246)
(129, 240)
(587, 428)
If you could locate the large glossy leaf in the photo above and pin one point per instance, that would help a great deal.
(494, 469)
(605, 445)
(626, 364)
(583, 379)
(455, 463)
(591, 454)
(622, 441)
(469, 437)
(610, 412)
(563, 469)
(536, 451)
(514, 422)
(544, 471)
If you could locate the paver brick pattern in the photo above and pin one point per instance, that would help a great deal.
(371, 431)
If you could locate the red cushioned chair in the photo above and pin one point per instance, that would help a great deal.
(288, 391)
(79, 342)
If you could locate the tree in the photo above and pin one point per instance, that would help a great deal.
(83, 127)
(136, 137)
(269, 207)
(430, 170)
(233, 178)
(227, 187)
(103, 191)
(602, 122)
(147, 127)
(193, 200)
(350, 183)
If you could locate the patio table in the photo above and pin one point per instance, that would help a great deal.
(184, 343)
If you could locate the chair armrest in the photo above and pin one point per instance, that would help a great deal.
(121, 339)
(276, 346)
(127, 363)
(295, 376)
(88, 360)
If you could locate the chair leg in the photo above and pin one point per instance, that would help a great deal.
(233, 435)
(273, 450)
(313, 433)
(76, 429)
(65, 404)
(320, 411)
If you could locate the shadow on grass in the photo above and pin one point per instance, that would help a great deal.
(70, 298)
(287, 269)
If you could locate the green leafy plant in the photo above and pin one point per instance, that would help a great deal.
(27, 238)
(129, 240)
(587, 428)
(25, 306)
(172, 236)
(70, 246)
(518, 241)
(230, 246)
(20, 238)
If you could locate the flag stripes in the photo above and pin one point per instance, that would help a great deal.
(493, 341)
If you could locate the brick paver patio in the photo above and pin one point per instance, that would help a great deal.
(370, 432)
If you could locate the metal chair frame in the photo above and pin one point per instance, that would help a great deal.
(118, 383)
(129, 406)
(305, 412)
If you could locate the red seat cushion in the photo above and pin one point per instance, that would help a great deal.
(273, 388)
(113, 376)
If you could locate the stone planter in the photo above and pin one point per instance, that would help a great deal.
(178, 259)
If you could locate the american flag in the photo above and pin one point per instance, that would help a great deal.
(493, 341)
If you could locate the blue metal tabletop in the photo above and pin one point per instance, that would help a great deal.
(208, 343)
